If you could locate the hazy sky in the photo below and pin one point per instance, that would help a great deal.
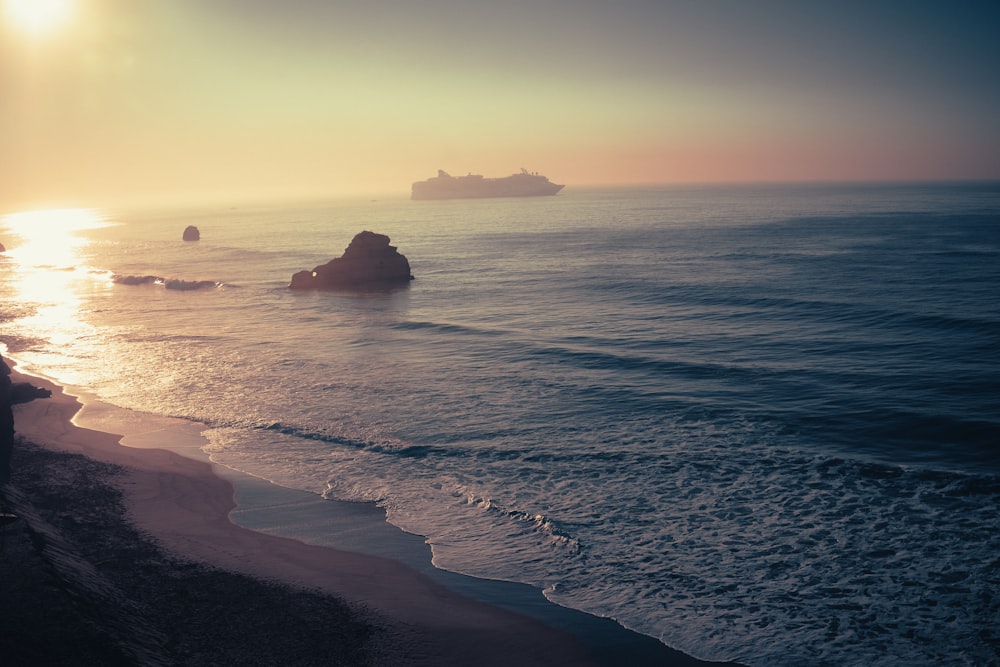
(228, 99)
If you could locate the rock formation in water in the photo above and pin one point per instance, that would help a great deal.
(169, 283)
(369, 262)
(191, 233)
(134, 280)
(2, 249)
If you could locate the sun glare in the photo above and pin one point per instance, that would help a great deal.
(45, 268)
(37, 17)
(49, 237)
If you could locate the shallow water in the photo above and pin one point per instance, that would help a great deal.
(757, 423)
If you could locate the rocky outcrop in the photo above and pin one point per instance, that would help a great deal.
(25, 392)
(11, 393)
(369, 262)
(169, 283)
(191, 233)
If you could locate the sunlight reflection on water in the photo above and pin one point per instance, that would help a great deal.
(51, 279)
(49, 237)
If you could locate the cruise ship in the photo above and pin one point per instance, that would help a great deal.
(446, 186)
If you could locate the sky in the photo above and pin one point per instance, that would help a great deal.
(175, 101)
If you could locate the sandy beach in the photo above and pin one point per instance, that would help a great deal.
(130, 556)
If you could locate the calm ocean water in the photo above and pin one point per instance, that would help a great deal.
(758, 423)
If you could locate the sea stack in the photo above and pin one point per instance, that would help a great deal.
(369, 262)
(191, 233)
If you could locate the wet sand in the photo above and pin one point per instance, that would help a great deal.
(130, 555)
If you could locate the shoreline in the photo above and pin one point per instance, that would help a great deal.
(188, 505)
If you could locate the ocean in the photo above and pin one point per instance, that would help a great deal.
(758, 423)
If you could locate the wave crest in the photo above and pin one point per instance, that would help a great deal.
(536, 522)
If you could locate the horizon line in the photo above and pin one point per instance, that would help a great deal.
(229, 198)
